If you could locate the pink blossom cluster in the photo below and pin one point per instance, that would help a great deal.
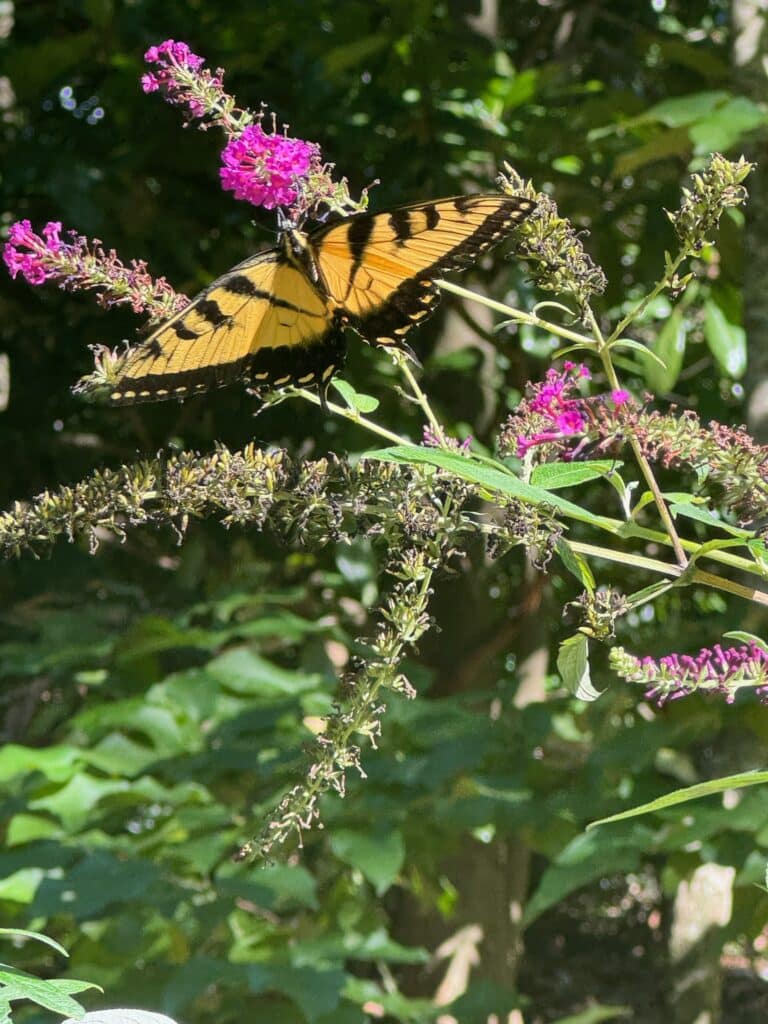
(715, 670)
(267, 169)
(178, 74)
(554, 412)
(32, 255)
(78, 264)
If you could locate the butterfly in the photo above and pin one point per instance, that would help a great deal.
(278, 318)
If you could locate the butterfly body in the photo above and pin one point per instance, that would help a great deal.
(279, 317)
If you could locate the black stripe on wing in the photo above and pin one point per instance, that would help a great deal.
(417, 297)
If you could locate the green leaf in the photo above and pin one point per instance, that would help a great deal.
(21, 886)
(682, 110)
(576, 564)
(315, 991)
(243, 671)
(57, 763)
(493, 478)
(573, 666)
(355, 399)
(704, 515)
(37, 936)
(52, 995)
(582, 861)
(553, 475)
(98, 881)
(726, 341)
(681, 796)
(726, 125)
(73, 803)
(637, 346)
(747, 638)
(670, 348)
(378, 855)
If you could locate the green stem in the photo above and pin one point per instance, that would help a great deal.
(348, 414)
(518, 315)
(400, 360)
(645, 302)
(604, 351)
(668, 569)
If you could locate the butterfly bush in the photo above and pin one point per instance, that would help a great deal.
(265, 168)
(423, 514)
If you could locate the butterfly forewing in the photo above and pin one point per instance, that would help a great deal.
(380, 269)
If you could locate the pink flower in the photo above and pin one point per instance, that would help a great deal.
(558, 411)
(179, 74)
(716, 670)
(266, 169)
(431, 439)
(171, 54)
(30, 254)
(620, 397)
(79, 264)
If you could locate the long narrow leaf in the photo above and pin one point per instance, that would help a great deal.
(498, 480)
(681, 796)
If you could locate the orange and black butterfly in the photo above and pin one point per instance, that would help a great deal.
(279, 317)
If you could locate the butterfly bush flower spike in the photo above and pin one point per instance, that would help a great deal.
(716, 670)
(78, 264)
(32, 255)
(265, 168)
(180, 76)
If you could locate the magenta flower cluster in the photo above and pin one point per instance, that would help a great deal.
(559, 412)
(32, 255)
(266, 169)
(720, 670)
(178, 75)
(78, 264)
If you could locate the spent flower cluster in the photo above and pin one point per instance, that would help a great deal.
(554, 251)
(715, 189)
(728, 458)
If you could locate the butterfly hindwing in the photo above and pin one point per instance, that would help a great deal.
(262, 320)
(380, 268)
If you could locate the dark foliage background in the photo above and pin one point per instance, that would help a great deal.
(156, 698)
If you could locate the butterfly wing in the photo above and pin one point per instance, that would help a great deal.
(263, 320)
(379, 269)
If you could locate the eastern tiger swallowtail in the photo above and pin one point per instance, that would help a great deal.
(278, 318)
